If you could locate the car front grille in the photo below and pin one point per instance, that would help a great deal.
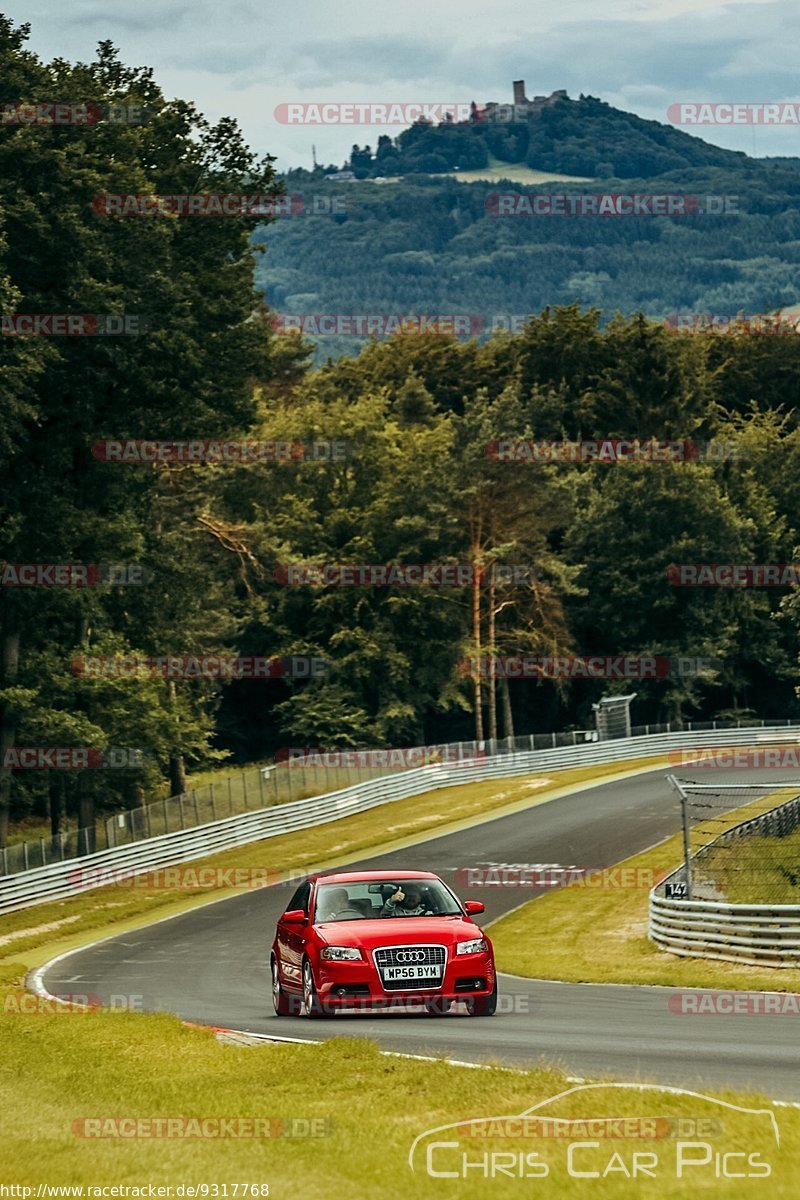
(397, 967)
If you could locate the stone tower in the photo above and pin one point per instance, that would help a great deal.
(519, 91)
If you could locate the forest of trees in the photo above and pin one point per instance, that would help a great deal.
(415, 486)
(434, 246)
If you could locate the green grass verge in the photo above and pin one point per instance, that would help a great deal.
(60, 1066)
(598, 934)
(59, 1069)
(757, 870)
(60, 925)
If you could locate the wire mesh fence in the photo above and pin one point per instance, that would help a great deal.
(253, 788)
(743, 842)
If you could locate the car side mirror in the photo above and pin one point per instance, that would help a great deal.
(295, 916)
(473, 907)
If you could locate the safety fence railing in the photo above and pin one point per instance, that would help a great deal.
(249, 789)
(284, 782)
(62, 879)
(708, 923)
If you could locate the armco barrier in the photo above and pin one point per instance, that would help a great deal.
(760, 935)
(59, 880)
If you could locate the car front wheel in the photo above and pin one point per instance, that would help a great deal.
(437, 1008)
(311, 1003)
(280, 1000)
(483, 1006)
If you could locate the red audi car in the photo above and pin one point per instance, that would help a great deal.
(375, 939)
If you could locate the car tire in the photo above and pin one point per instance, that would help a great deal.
(311, 1002)
(280, 1001)
(437, 1008)
(483, 1006)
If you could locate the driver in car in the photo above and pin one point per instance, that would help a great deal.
(406, 902)
(339, 906)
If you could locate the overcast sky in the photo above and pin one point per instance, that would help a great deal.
(242, 58)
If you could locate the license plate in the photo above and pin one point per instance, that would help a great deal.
(418, 972)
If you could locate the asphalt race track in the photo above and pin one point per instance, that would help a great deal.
(211, 965)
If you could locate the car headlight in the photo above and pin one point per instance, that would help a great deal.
(473, 946)
(340, 953)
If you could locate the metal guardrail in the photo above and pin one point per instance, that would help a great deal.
(759, 935)
(60, 880)
(249, 789)
(254, 788)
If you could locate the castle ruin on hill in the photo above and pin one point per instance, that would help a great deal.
(521, 105)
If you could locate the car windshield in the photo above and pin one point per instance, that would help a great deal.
(392, 897)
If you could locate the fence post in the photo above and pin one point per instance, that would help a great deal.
(180, 809)
(230, 797)
(687, 854)
(25, 854)
(194, 801)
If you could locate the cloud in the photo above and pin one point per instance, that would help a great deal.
(245, 58)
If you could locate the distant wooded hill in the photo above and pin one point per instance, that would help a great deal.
(434, 245)
(572, 137)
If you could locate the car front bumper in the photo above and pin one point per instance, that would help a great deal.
(358, 984)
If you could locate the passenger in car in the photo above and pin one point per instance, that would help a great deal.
(406, 902)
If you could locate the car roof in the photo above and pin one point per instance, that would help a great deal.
(369, 876)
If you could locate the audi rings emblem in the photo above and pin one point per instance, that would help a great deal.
(410, 956)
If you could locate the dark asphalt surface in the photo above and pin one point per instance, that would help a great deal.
(211, 964)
